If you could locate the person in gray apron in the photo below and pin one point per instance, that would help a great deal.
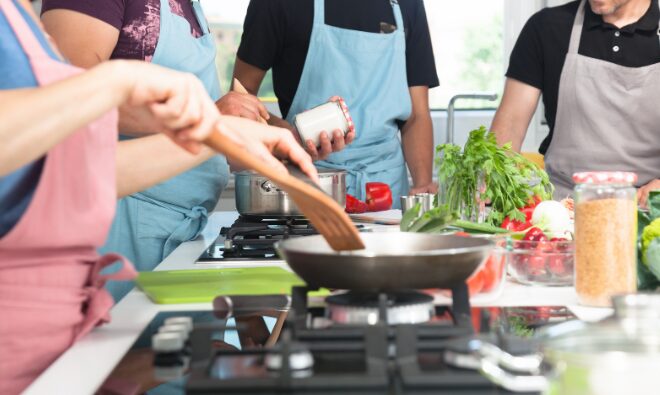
(606, 117)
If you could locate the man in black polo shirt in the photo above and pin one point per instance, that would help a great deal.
(596, 63)
(359, 51)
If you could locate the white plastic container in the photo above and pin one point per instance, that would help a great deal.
(327, 117)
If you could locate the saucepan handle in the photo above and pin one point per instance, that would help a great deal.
(512, 382)
(229, 306)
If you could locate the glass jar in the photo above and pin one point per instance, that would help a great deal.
(605, 236)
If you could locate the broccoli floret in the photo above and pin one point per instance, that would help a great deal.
(650, 233)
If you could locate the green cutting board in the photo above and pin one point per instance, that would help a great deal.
(202, 286)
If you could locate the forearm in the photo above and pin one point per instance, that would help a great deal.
(508, 129)
(35, 120)
(515, 113)
(145, 162)
(417, 141)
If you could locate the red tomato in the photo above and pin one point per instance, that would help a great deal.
(354, 205)
(462, 234)
(535, 234)
(536, 265)
(556, 265)
(379, 196)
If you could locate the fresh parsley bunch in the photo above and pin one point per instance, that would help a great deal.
(504, 176)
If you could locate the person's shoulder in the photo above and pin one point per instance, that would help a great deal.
(562, 14)
(410, 7)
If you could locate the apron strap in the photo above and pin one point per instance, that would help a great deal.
(24, 33)
(576, 34)
(398, 17)
(201, 18)
(319, 12)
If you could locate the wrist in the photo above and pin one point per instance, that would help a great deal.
(120, 78)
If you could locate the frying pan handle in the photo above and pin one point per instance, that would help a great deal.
(227, 306)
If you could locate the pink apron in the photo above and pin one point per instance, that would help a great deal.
(51, 289)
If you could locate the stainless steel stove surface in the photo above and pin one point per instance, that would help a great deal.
(316, 355)
(252, 238)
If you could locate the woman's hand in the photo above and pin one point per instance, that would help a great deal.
(171, 102)
(267, 142)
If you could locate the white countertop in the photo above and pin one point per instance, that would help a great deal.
(86, 365)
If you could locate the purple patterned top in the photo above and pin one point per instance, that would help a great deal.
(138, 21)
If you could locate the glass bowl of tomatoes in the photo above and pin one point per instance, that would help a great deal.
(542, 262)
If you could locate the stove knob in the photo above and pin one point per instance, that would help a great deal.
(167, 342)
(299, 359)
(187, 321)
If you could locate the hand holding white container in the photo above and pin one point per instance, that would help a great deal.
(327, 117)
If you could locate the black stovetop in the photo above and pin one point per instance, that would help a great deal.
(253, 238)
(228, 357)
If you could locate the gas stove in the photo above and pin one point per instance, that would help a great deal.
(358, 343)
(253, 238)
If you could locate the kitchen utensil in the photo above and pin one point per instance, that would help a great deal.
(238, 87)
(545, 263)
(618, 355)
(325, 214)
(391, 261)
(407, 203)
(327, 117)
(203, 286)
(257, 196)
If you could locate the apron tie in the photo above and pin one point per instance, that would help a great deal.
(195, 219)
(99, 301)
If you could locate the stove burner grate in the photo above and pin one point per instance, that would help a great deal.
(355, 308)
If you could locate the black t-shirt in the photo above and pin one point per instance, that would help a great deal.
(539, 54)
(277, 34)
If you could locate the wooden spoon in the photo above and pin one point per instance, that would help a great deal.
(328, 217)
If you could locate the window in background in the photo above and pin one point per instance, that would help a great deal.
(226, 22)
(467, 40)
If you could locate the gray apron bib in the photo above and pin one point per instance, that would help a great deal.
(608, 118)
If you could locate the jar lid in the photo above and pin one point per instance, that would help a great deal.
(605, 177)
(347, 114)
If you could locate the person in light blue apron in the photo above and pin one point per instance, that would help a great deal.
(149, 225)
(367, 68)
(172, 33)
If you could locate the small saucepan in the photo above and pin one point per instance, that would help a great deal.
(258, 196)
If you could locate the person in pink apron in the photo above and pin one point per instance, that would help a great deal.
(597, 65)
(51, 289)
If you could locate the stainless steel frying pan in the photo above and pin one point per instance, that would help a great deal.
(391, 261)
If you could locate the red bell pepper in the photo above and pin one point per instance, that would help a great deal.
(379, 196)
(514, 225)
(354, 205)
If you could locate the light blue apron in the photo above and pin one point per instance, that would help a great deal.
(151, 224)
(369, 71)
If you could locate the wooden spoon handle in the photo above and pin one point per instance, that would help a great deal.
(235, 152)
